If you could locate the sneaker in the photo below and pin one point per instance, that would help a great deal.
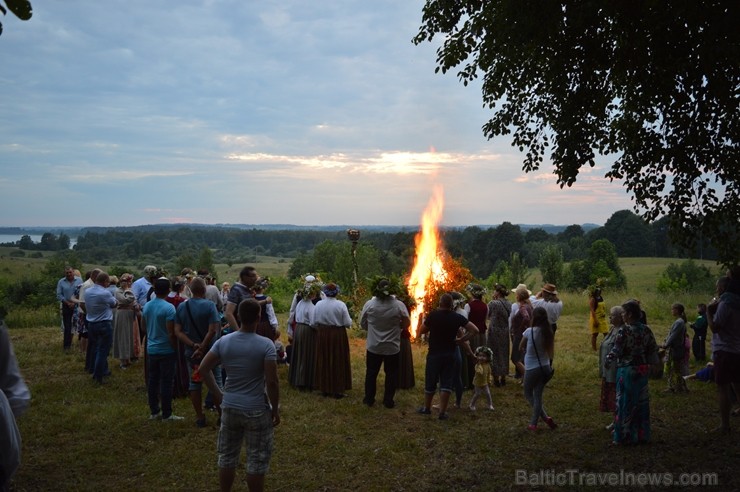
(200, 423)
(532, 428)
(490, 407)
(155, 416)
(472, 408)
(174, 417)
(551, 423)
(389, 404)
(443, 416)
(424, 411)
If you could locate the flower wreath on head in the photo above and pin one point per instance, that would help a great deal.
(262, 283)
(311, 287)
(483, 350)
(476, 290)
(382, 287)
(458, 300)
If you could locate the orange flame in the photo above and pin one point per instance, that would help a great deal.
(428, 265)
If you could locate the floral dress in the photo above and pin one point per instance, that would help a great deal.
(634, 350)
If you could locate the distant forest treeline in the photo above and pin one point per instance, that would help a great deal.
(480, 249)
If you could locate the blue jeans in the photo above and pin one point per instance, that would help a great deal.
(100, 334)
(534, 385)
(160, 383)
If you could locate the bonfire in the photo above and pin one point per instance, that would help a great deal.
(435, 271)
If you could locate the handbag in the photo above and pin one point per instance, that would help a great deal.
(547, 375)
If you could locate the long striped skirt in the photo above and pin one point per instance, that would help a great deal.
(333, 372)
(303, 358)
(632, 418)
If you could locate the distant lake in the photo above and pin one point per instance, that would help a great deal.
(11, 238)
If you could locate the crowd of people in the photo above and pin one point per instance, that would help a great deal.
(191, 332)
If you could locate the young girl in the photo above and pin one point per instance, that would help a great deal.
(676, 350)
(482, 378)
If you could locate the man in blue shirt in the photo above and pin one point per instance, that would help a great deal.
(159, 319)
(196, 324)
(143, 285)
(99, 304)
(65, 292)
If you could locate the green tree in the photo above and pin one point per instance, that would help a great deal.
(205, 261)
(629, 233)
(653, 83)
(551, 265)
(183, 261)
(26, 242)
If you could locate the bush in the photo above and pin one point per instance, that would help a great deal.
(686, 277)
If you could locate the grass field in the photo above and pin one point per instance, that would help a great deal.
(78, 436)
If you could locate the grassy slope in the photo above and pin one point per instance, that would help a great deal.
(81, 437)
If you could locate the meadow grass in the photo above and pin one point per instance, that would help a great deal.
(78, 436)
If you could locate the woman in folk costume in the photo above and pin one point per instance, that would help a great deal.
(333, 374)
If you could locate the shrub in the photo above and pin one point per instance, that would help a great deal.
(685, 277)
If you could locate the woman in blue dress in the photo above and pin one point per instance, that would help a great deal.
(634, 350)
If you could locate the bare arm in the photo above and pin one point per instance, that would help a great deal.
(203, 346)
(210, 361)
(230, 310)
(273, 389)
(470, 331)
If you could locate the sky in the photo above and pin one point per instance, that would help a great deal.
(118, 113)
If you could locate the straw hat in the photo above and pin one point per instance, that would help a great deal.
(522, 287)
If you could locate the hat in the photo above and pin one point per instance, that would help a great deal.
(522, 287)
(310, 278)
(150, 271)
(550, 289)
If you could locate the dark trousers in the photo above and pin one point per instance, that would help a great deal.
(390, 367)
(100, 339)
(67, 323)
(161, 378)
(699, 346)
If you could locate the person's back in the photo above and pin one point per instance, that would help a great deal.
(443, 327)
(243, 357)
(250, 401)
(157, 313)
(382, 318)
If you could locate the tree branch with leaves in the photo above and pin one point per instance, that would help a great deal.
(20, 8)
(653, 85)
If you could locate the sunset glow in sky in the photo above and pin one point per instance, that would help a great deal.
(291, 112)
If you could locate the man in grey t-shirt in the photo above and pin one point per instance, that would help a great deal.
(384, 317)
(250, 360)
